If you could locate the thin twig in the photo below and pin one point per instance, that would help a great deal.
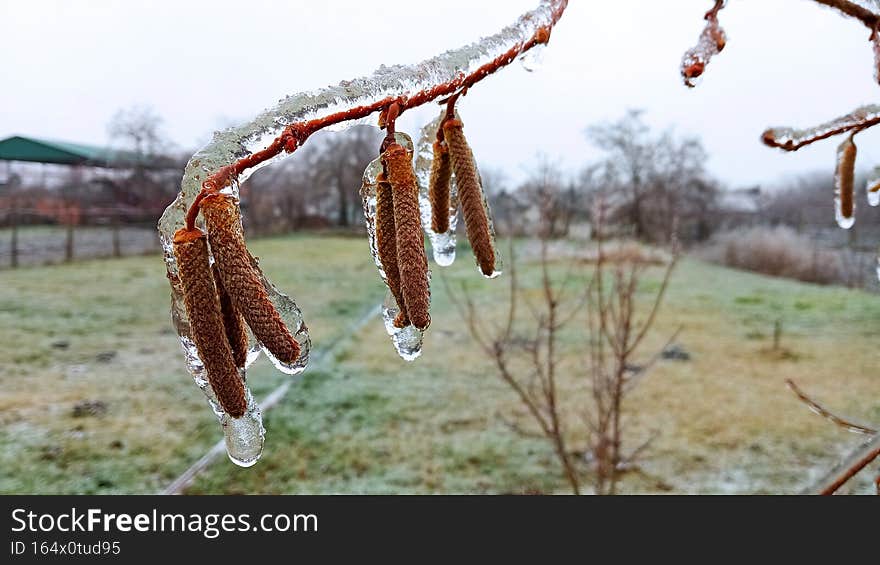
(817, 408)
(635, 379)
(656, 306)
(847, 469)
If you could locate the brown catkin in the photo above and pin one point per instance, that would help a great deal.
(412, 263)
(241, 280)
(233, 322)
(846, 164)
(386, 244)
(438, 188)
(206, 320)
(470, 195)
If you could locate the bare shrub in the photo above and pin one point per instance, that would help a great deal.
(778, 252)
(530, 355)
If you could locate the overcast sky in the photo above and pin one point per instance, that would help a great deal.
(69, 65)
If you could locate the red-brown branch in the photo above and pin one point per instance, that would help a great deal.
(713, 13)
(867, 17)
(769, 137)
(855, 462)
(296, 134)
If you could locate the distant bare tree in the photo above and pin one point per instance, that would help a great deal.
(155, 170)
(652, 181)
(314, 187)
(547, 191)
(138, 129)
(339, 166)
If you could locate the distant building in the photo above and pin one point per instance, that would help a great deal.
(740, 206)
(65, 182)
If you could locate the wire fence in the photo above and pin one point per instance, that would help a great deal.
(27, 239)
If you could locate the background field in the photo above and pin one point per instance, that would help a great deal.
(96, 400)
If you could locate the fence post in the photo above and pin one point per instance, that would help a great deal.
(117, 249)
(13, 244)
(68, 242)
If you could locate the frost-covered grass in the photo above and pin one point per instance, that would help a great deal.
(100, 331)
(370, 422)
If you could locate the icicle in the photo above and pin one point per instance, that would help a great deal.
(407, 340)
(844, 203)
(442, 244)
(872, 187)
(244, 435)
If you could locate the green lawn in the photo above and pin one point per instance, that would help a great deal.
(368, 422)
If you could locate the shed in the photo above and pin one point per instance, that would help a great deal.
(35, 150)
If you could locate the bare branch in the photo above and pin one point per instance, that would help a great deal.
(817, 408)
(853, 10)
(656, 306)
(636, 453)
(791, 139)
(635, 379)
(847, 469)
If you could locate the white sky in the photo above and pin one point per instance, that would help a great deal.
(69, 65)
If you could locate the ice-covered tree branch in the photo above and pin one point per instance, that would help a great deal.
(415, 85)
(218, 287)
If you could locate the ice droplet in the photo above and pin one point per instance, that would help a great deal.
(533, 59)
(442, 244)
(872, 187)
(244, 436)
(407, 340)
(842, 221)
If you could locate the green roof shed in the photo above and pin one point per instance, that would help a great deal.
(20, 148)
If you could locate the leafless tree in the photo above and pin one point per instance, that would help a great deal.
(651, 180)
(138, 129)
(552, 198)
(340, 164)
(531, 358)
(314, 187)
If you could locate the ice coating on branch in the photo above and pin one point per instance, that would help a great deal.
(872, 187)
(442, 244)
(233, 144)
(408, 339)
(872, 5)
(533, 59)
(792, 139)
